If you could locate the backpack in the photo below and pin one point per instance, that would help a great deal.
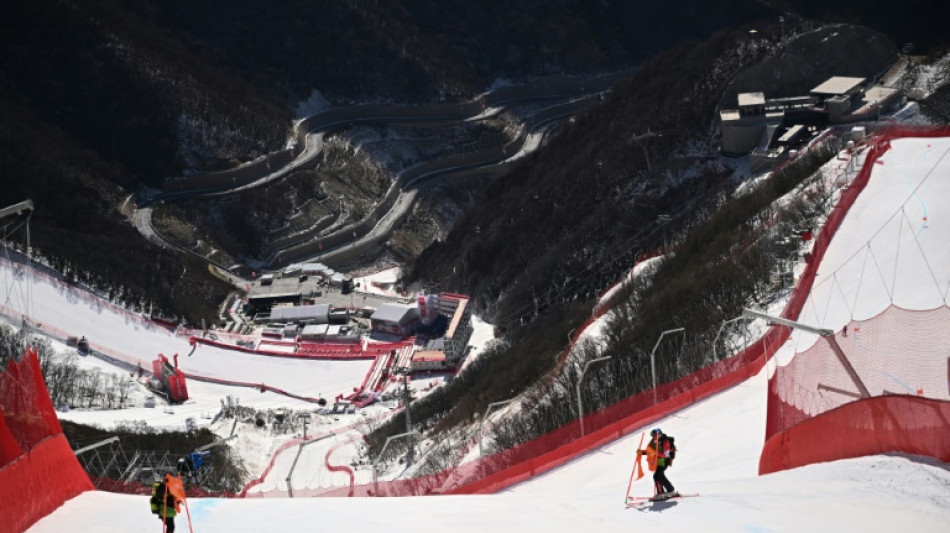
(158, 493)
(672, 456)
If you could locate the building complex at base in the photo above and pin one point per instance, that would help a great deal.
(770, 129)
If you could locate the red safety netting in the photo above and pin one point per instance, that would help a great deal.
(907, 424)
(503, 469)
(27, 409)
(133, 362)
(35, 458)
(896, 352)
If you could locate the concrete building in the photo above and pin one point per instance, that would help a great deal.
(455, 342)
(444, 345)
(767, 128)
(260, 306)
(310, 314)
(329, 333)
(837, 87)
(432, 360)
(395, 319)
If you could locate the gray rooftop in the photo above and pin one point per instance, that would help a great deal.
(747, 99)
(314, 330)
(300, 312)
(390, 312)
(838, 85)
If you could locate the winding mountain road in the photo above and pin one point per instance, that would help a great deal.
(354, 239)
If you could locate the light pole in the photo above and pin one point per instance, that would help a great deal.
(653, 357)
(482, 423)
(647, 135)
(380, 456)
(646, 154)
(718, 333)
(290, 488)
(406, 399)
(824, 333)
(580, 404)
(567, 351)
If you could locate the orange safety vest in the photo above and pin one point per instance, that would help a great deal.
(653, 455)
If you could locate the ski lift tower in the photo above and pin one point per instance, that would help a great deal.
(16, 209)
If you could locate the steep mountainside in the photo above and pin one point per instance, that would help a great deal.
(103, 97)
(78, 227)
(573, 217)
(636, 174)
(807, 61)
(132, 91)
(424, 50)
(916, 23)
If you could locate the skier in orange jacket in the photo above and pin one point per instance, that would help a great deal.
(166, 499)
(660, 452)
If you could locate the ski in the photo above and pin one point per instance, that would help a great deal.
(636, 501)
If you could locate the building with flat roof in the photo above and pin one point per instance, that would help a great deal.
(751, 103)
(311, 314)
(838, 86)
(328, 333)
(459, 312)
(259, 306)
(424, 360)
(395, 319)
(769, 128)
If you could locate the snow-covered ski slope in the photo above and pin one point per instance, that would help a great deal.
(719, 440)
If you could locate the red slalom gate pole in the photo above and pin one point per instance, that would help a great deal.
(636, 463)
(185, 500)
(164, 509)
(188, 514)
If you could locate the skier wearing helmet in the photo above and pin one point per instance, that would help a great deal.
(167, 495)
(660, 452)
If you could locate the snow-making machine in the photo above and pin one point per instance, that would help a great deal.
(169, 380)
